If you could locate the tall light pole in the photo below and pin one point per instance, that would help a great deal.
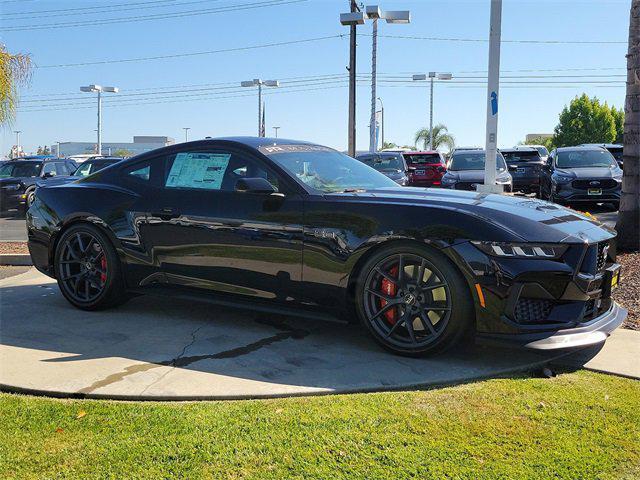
(186, 133)
(493, 85)
(275, 129)
(58, 149)
(99, 89)
(17, 132)
(354, 18)
(256, 82)
(374, 13)
(382, 122)
(431, 76)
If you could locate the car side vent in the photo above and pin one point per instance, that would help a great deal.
(532, 310)
(595, 259)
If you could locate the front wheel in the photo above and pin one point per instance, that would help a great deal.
(88, 269)
(414, 301)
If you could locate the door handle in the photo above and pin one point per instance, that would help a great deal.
(166, 213)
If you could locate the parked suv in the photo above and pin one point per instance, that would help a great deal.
(86, 168)
(391, 164)
(525, 166)
(466, 171)
(581, 175)
(425, 168)
(613, 148)
(18, 179)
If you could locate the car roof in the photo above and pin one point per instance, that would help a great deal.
(604, 145)
(380, 154)
(579, 147)
(517, 149)
(422, 152)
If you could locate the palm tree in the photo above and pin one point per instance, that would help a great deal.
(628, 225)
(15, 70)
(441, 137)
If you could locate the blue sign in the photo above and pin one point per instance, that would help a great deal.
(494, 103)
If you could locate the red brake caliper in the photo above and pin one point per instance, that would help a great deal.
(103, 266)
(389, 288)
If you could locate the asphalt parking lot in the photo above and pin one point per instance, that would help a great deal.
(13, 229)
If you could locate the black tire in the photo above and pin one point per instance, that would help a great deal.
(435, 325)
(88, 269)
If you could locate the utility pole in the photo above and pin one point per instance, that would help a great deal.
(381, 123)
(186, 133)
(352, 83)
(58, 149)
(374, 62)
(493, 86)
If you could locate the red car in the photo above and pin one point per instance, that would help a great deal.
(425, 168)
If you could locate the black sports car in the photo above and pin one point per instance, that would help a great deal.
(276, 224)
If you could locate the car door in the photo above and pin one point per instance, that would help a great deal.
(545, 176)
(205, 235)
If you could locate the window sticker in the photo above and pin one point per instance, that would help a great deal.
(198, 170)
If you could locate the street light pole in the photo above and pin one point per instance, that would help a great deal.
(256, 82)
(17, 132)
(276, 130)
(431, 76)
(491, 140)
(58, 149)
(382, 123)
(354, 18)
(186, 133)
(99, 89)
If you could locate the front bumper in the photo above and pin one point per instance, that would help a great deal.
(569, 194)
(587, 334)
(12, 200)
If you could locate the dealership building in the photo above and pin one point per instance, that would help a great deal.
(140, 144)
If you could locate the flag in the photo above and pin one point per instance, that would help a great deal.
(263, 129)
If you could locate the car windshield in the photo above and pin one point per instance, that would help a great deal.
(325, 170)
(384, 163)
(20, 169)
(521, 156)
(87, 168)
(585, 159)
(474, 161)
(422, 158)
(542, 151)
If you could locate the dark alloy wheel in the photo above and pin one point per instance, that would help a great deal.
(30, 196)
(87, 269)
(407, 299)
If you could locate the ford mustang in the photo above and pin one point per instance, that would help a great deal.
(293, 227)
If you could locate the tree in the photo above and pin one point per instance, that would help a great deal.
(122, 152)
(586, 120)
(441, 137)
(628, 225)
(15, 71)
(618, 118)
(388, 145)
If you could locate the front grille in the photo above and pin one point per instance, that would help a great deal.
(586, 184)
(595, 259)
(532, 310)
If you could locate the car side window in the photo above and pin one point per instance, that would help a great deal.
(213, 170)
(139, 172)
(84, 170)
(61, 169)
(49, 168)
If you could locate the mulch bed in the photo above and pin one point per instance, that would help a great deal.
(14, 247)
(627, 294)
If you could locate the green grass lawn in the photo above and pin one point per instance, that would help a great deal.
(575, 426)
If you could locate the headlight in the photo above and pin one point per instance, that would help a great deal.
(503, 180)
(561, 178)
(11, 186)
(448, 180)
(522, 250)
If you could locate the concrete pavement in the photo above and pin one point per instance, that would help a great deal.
(159, 348)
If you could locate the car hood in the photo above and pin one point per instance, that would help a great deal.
(592, 172)
(530, 219)
(470, 175)
(12, 180)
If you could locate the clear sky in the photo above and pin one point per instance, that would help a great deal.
(159, 97)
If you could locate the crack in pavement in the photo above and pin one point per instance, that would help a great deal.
(287, 332)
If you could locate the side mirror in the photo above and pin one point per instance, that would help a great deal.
(254, 185)
(48, 175)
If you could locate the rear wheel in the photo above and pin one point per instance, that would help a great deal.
(413, 301)
(88, 269)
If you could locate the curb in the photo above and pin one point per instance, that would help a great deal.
(15, 259)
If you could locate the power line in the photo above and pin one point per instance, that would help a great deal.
(193, 54)
(484, 40)
(161, 16)
(99, 10)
